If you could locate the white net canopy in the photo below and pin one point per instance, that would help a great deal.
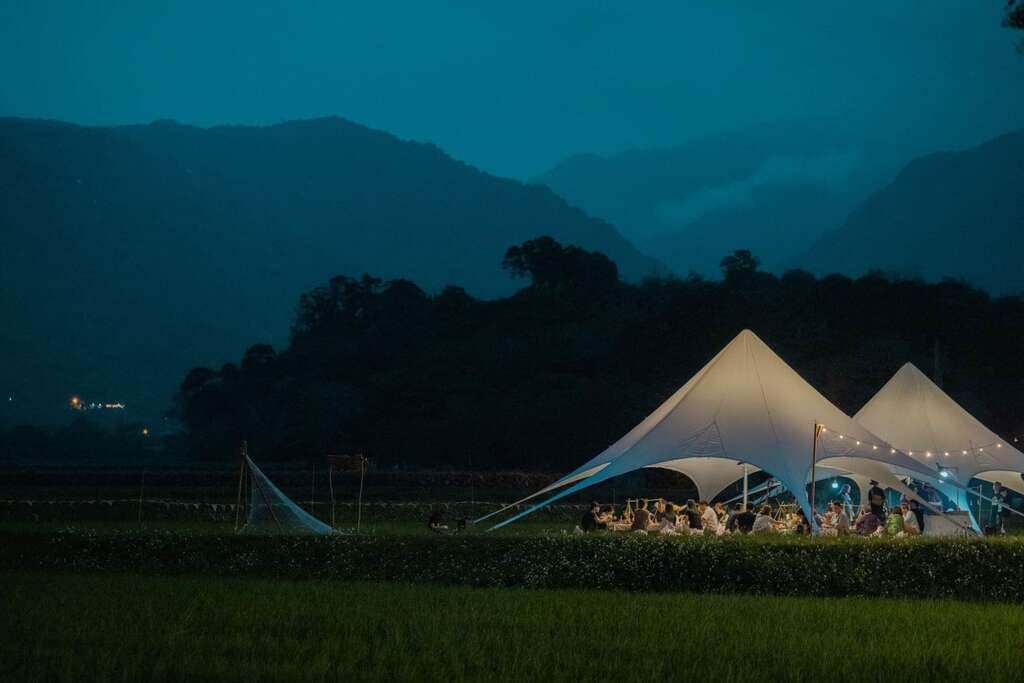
(272, 512)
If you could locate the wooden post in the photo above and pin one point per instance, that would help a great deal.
(312, 493)
(359, 506)
(814, 462)
(142, 488)
(330, 485)
(241, 482)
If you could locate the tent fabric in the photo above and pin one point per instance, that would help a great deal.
(1009, 479)
(710, 475)
(920, 419)
(272, 512)
(748, 406)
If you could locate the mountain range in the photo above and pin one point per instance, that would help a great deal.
(818, 197)
(130, 254)
(952, 214)
(773, 188)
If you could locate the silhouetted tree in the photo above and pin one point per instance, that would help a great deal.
(551, 265)
(1013, 18)
(553, 374)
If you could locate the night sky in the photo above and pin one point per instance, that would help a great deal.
(515, 87)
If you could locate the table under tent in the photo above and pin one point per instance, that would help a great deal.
(745, 409)
(268, 510)
(923, 421)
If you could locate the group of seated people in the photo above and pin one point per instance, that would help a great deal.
(905, 519)
(693, 518)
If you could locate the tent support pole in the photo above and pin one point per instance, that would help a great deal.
(746, 488)
(241, 482)
(814, 462)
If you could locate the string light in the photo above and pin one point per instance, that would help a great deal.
(927, 453)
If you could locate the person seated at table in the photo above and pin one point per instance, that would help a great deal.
(894, 523)
(867, 523)
(918, 512)
(840, 522)
(723, 515)
(801, 525)
(669, 522)
(708, 518)
(592, 520)
(642, 517)
(763, 522)
(693, 516)
(910, 527)
(745, 519)
(730, 521)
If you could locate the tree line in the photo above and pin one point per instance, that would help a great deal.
(550, 376)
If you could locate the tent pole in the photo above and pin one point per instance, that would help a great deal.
(241, 480)
(814, 462)
(746, 488)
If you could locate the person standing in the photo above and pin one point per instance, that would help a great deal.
(876, 500)
(918, 511)
(995, 519)
(847, 501)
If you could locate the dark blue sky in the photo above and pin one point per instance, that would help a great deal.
(515, 87)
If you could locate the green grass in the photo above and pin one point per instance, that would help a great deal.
(127, 627)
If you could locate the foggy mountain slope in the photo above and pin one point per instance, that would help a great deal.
(130, 254)
(951, 214)
(773, 188)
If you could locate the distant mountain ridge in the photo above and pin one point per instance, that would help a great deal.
(950, 214)
(129, 254)
(773, 188)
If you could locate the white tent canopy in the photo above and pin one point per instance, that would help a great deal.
(745, 406)
(920, 419)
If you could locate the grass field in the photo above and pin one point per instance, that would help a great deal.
(77, 628)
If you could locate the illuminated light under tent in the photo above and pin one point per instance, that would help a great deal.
(918, 417)
(745, 405)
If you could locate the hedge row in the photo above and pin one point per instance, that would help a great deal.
(185, 511)
(920, 568)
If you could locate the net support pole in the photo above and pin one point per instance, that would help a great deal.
(142, 489)
(330, 486)
(814, 462)
(241, 483)
(359, 505)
